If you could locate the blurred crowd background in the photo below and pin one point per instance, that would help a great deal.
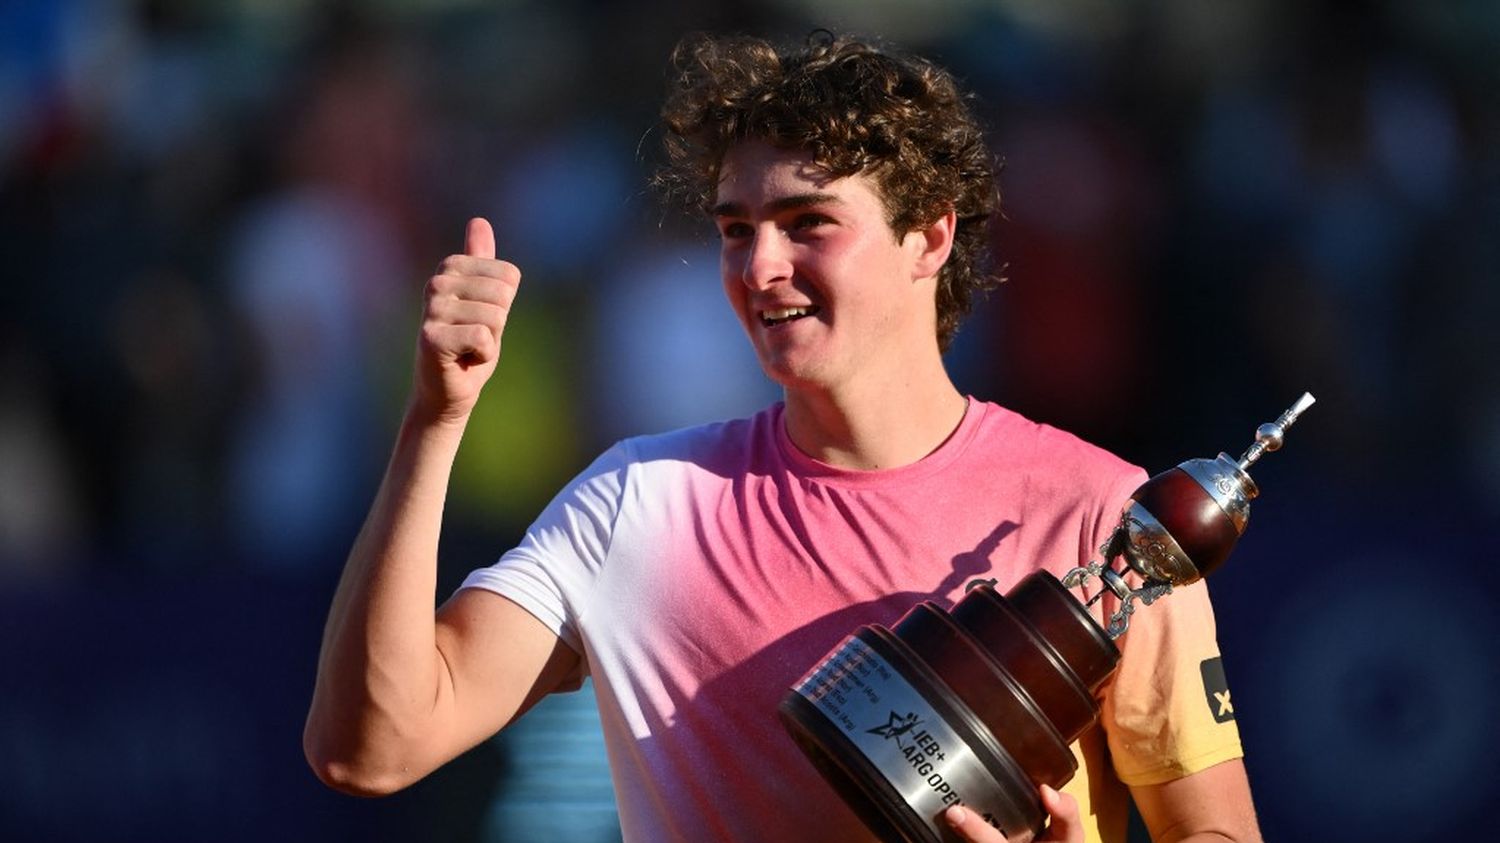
(216, 219)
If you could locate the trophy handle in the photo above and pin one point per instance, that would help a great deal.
(1148, 593)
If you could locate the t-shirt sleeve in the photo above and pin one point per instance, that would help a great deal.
(1167, 712)
(552, 572)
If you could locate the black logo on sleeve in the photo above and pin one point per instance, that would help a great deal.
(1216, 689)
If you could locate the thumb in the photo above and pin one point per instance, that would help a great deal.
(479, 239)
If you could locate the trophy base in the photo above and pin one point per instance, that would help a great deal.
(976, 707)
(900, 747)
(858, 782)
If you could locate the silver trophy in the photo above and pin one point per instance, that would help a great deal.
(978, 706)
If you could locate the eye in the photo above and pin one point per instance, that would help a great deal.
(805, 222)
(734, 230)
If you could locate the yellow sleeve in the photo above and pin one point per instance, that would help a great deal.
(1168, 712)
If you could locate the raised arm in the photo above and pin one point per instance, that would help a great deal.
(400, 691)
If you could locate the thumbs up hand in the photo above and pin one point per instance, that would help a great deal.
(466, 304)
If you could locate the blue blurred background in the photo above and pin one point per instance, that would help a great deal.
(216, 218)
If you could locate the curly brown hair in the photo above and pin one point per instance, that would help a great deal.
(857, 108)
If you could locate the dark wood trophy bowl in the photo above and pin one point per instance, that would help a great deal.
(979, 705)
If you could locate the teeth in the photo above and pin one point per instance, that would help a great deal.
(784, 313)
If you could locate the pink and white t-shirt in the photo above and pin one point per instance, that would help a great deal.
(701, 573)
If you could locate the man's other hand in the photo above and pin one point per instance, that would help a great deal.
(466, 303)
(1064, 827)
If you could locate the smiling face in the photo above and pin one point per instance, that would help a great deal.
(826, 291)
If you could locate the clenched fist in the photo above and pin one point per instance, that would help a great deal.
(465, 307)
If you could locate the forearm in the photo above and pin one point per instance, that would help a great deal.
(379, 672)
(1212, 805)
(1213, 837)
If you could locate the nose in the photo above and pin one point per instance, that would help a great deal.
(767, 259)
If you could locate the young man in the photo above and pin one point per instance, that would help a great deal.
(698, 574)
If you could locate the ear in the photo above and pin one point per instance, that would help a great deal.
(934, 244)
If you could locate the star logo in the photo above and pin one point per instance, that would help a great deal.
(897, 726)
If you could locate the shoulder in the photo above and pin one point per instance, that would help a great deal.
(1049, 454)
(647, 478)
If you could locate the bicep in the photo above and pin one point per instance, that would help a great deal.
(495, 661)
(1213, 801)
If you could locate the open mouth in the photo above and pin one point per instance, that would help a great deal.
(783, 315)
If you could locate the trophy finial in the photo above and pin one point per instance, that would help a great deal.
(1269, 436)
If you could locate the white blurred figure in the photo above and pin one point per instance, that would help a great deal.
(676, 355)
(300, 263)
(314, 269)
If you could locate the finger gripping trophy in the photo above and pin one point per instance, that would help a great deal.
(978, 706)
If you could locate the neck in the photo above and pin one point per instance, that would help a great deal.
(877, 425)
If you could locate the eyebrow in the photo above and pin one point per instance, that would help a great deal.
(776, 206)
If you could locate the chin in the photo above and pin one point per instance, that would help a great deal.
(792, 377)
(798, 368)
